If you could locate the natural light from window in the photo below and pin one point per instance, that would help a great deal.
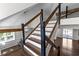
(67, 33)
(6, 37)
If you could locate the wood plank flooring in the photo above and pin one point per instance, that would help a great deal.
(14, 51)
(68, 47)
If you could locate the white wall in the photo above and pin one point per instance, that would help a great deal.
(22, 17)
(7, 9)
(70, 21)
(76, 34)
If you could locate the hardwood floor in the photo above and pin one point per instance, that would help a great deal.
(68, 47)
(14, 51)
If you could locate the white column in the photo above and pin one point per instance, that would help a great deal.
(60, 32)
(75, 34)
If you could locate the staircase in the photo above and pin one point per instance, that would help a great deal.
(33, 43)
(38, 40)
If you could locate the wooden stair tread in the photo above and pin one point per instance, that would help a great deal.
(38, 31)
(33, 48)
(52, 21)
(37, 34)
(35, 40)
(46, 30)
(48, 27)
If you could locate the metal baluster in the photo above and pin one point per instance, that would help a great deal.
(66, 11)
(42, 26)
(59, 17)
(23, 33)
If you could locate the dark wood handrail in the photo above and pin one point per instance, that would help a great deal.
(48, 19)
(23, 26)
(19, 29)
(53, 30)
(30, 22)
(67, 14)
(32, 31)
(10, 30)
(32, 19)
(51, 15)
(57, 22)
(69, 11)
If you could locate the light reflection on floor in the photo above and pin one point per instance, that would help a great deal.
(67, 46)
(67, 43)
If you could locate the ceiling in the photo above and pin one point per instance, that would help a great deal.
(7, 9)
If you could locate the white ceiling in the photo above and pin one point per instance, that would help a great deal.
(7, 9)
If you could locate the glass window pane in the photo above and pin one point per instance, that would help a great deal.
(7, 36)
(67, 33)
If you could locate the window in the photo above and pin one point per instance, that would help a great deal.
(67, 33)
(8, 36)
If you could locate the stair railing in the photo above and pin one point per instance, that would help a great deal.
(24, 25)
(68, 12)
(57, 22)
(23, 30)
(42, 31)
(42, 26)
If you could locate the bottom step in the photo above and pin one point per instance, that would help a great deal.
(33, 48)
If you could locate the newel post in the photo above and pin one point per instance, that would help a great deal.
(59, 16)
(66, 11)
